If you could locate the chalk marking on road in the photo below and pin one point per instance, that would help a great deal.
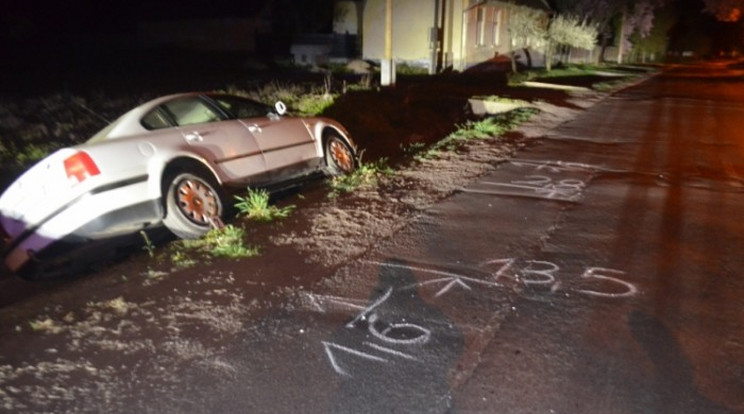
(505, 264)
(545, 186)
(573, 200)
(449, 286)
(318, 302)
(535, 272)
(545, 276)
(327, 347)
(384, 335)
(391, 351)
(369, 309)
(593, 273)
(548, 274)
(451, 279)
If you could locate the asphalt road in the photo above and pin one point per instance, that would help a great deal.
(598, 271)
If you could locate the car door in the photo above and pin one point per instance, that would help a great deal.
(225, 142)
(286, 143)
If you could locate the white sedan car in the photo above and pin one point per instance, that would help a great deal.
(167, 161)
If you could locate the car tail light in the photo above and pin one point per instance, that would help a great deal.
(80, 167)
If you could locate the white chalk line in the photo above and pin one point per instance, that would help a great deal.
(383, 336)
(369, 309)
(327, 347)
(451, 279)
(391, 351)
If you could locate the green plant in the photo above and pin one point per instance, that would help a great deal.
(224, 242)
(255, 206)
(501, 99)
(149, 247)
(365, 174)
(490, 127)
(311, 105)
(46, 325)
(516, 79)
(364, 84)
(408, 69)
(182, 259)
(34, 152)
(413, 148)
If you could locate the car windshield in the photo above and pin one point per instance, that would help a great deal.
(238, 107)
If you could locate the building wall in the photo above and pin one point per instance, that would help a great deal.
(473, 31)
(486, 35)
(413, 21)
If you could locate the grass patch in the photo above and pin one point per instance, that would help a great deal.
(28, 154)
(226, 242)
(367, 174)
(408, 69)
(182, 259)
(46, 325)
(516, 79)
(255, 206)
(311, 105)
(501, 99)
(486, 128)
(610, 85)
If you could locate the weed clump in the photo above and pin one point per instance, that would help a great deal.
(367, 174)
(255, 206)
(225, 242)
(491, 127)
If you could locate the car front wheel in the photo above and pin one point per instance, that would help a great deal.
(192, 204)
(339, 156)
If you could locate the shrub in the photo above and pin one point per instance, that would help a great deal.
(225, 242)
(366, 174)
(255, 206)
(311, 105)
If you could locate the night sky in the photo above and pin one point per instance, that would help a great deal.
(84, 38)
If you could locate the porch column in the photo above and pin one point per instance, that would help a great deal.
(387, 66)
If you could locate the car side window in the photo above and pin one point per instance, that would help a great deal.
(189, 111)
(240, 107)
(155, 119)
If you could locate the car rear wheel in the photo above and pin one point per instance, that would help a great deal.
(193, 201)
(338, 156)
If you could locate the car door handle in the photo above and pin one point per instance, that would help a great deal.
(195, 136)
(254, 128)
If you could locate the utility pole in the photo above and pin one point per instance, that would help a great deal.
(387, 66)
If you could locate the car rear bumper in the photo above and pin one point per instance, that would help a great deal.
(97, 215)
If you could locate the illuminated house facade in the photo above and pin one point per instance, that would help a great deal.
(433, 33)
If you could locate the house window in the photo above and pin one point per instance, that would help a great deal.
(480, 26)
(496, 27)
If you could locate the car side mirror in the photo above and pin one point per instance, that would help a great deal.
(280, 107)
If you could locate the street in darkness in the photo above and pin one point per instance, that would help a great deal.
(596, 271)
